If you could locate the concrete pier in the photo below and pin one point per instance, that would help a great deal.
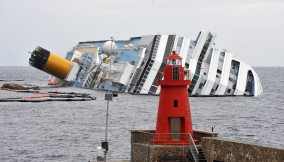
(218, 149)
(118, 161)
(143, 149)
(115, 161)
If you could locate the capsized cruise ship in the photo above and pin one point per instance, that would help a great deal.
(135, 65)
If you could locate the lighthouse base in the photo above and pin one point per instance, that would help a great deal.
(160, 153)
(144, 147)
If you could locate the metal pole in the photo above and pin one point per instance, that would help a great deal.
(106, 128)
(108, 100)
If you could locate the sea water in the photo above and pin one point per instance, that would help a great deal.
(71, 131)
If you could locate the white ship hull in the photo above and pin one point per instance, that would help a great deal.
(139, 64)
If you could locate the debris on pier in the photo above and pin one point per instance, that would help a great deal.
(49, 96)
(15, 86)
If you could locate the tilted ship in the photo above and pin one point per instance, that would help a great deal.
(135, 65)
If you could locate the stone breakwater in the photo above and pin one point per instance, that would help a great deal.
(215, 149)
(229, 150)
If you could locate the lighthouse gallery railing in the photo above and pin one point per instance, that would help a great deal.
(150, 137)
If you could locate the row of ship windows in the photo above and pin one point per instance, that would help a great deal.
(213, 90)
(145, 75)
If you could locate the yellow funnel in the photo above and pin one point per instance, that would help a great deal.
(50, 63)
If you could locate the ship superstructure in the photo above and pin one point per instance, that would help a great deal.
(138, 64)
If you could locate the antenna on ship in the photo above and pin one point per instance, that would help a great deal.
(109, 48)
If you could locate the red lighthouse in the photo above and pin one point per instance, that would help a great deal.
(174, 119)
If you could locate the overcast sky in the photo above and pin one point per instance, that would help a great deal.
(252, 30)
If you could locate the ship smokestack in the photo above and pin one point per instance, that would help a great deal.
(50, 63)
